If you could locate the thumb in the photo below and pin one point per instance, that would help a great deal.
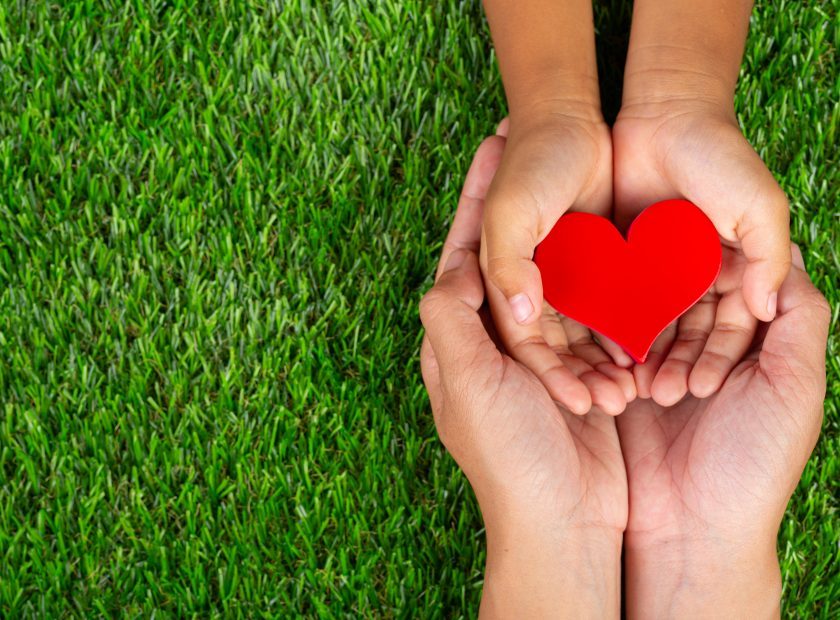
(508, 238)
(449, 312)
(793, 352)
(764, 235)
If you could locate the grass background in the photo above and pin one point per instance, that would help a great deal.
(216, 221)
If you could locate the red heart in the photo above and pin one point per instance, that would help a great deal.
(631, 290)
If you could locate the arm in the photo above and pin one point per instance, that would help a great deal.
(686, 49)
(677, 135)
(679, 84)
(703, 578)
(535, 572)
(546, 52)
(558, 156)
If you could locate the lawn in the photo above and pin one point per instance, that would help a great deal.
(216, 222)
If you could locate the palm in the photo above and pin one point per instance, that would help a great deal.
(703, 160)
(686, 155)
(560, 164)
(554, 460)
(720, 463)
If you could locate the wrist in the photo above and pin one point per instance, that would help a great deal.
(664, 77)
(539, 569)
(556, 95)
(702, 577)
(682, 50)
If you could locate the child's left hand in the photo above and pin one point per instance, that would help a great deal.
(696, 151)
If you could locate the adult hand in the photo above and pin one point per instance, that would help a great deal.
(551, 485)
(709, 479)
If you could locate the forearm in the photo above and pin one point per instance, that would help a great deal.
(546, 52)
(685, 49)
(701, 579)
(539, 573)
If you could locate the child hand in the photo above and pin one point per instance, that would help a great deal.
(553, 161)
(694, 150)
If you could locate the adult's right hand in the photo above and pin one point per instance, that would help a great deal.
(710, 478)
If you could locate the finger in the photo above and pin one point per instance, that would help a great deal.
(604, 392)
(793, 353)
(730, 339)
(746, 204)
(693, 329)
(465, 232)
(645, 373)
(509, 252)
(619, 356)
(504, 127)
(622, 377)
(765, 240)
(449, 312)
(583, 345)
(510, 232)
(536, 346)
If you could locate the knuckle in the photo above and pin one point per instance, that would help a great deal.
(733, 329)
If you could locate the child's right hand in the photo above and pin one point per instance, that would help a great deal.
(554, 160)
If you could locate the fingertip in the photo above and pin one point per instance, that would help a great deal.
(622, 377)
(504, 127)
(761, 301)
(567, 389)
(667, 391)
(523, 310)
(702, 382)
(641, 375)
(576, 399)
(606, 395)
(519, 281)
(762, 281)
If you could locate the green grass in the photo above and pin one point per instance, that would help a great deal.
(216, 221)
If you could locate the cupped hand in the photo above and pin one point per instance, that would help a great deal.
(694, 150)
(520, 450)
(553, 161)
(551, 485)
(714, 475)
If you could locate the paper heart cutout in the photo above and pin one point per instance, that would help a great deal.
(630, 290)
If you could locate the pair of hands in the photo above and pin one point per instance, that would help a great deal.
(563, 156)
(693, 488)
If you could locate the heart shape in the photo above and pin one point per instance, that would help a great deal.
(630, 291)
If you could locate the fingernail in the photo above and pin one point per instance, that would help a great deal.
(771, 304)
(455, 260)
(521, 306)
(796, 257)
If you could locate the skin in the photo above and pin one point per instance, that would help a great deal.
(558, 157)
(728, 413)
(677, 136)
(551, 485)
(709, 479)
(677, 112)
